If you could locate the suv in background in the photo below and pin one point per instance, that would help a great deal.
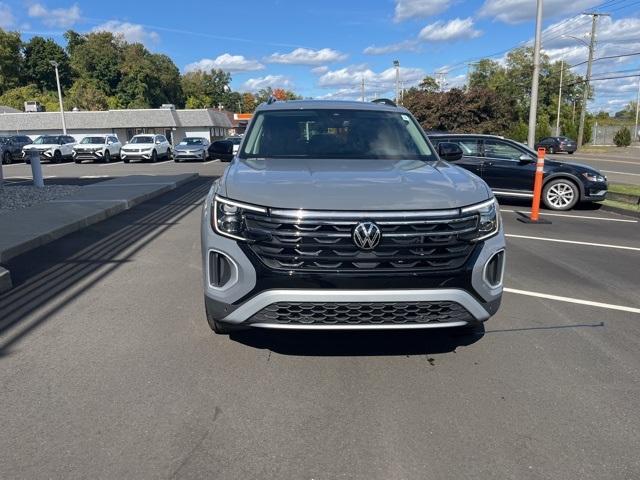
(342, 216)
(146, 147)
(101, 148)
(557, 145)
(509, 169)
(11, 147)
(54, 148)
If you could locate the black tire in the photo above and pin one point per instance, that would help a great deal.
(570, 153)
(169, 155)
(57, 157)
(6, 158)
(204, 157)
(560, 194)
(107, 156)
(27, 161)
(154, 157)
(78, 160)
(176, 160)
(125, 160)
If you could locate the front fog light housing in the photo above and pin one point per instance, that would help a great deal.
(228, 217)
(489, 221)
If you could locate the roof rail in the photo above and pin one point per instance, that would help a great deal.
(271, 100)
(384, 101)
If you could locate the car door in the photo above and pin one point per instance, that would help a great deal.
(471, 152)
(67, 147)
(507, 167)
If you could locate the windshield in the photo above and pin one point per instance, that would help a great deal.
(45, 140)
(93, 140)
(234, 140)
(341, 134)
(191, 141)
(142, 140)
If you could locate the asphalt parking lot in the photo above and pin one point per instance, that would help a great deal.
(109, 369)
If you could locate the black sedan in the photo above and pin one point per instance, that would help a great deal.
(557, 145)
(508, 167)
(11, 147)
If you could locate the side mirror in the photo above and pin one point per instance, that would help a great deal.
(524, 158)
(158, 142)
(449, 151)
(222, 149)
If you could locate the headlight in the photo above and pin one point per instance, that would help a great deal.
(594, 177)
(489, 221)
(228, 217)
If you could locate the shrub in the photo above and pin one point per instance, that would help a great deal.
(622, 138)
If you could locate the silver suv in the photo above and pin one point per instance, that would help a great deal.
(341, 215)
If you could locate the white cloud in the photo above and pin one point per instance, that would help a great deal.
(406, 9)
(407, 45)
(273, 81)
(306, 56)
(516, 11)
(456, 29)
(320, 70)
(131, 32)
(351, 77)
(228, 63)
(55, 17)
(7, 20)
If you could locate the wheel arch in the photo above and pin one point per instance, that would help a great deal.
(566, 176)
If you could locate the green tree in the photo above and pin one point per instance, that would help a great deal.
(622, 138)
(73, 39)
(205, 89)
(166, 86)
(17, 96)
(98, 56)
(429, 84)
(85, 95)
(248, 103)
(38, 54)
(10, 61)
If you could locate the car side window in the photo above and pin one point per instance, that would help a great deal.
(500, 149)
(470, 146)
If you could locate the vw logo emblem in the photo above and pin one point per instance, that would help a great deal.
(366, 235)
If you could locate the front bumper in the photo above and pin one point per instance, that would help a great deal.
(191, 155)
(135, 155)
(595, 191)
(97, 155)
(43, 154)
(254, 291)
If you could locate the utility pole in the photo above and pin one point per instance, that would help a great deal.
(362, 89)
(64, 125)
(533, 108)
(635, 132)
(559, 100)
(585, 93)
(396, 64)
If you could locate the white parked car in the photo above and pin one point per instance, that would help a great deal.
(146, 146)
(54, 148)
(101, 148)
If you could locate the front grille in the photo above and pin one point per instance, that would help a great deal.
(415, 241)
(369, 313)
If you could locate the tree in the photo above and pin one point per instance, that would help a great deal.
(166, 86)
(98, 57)
(205, 89)
(38, 54)
(17, 96)
(85, 95)
(248, 103)
(74, 39)
(622, 138)
(264, 94)
(10, 61)
(429, 84)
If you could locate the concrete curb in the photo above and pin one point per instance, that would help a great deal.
(58, 218)
(621, 211)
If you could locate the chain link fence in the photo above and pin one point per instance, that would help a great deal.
(603, 134)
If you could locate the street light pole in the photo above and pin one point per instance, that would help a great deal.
(533, 108)
(559, 100)
(635, 132)
(396, 64)
(64, 125)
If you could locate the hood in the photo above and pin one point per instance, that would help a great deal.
(89, 145)
(138, 145)
(40, 146)
(579, 167)
(189, 147)
(335, 184)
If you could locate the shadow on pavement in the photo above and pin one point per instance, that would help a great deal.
(42, 276)
(526, 204)
(338, 344)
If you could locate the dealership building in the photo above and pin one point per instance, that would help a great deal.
(174, 124)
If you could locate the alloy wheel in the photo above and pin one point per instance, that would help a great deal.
(560, 195)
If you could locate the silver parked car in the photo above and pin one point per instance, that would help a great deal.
(191, 148)
(342, 215)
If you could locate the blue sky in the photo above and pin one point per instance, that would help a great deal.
(325, 49)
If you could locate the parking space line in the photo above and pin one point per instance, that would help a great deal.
(109, 164)
(573, 242)
(572, 300)
(94, 176)
(605, 219)
(621, 173)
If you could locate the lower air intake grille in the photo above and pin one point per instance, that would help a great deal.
(371, 313)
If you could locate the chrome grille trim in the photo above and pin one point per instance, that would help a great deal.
(320, 214)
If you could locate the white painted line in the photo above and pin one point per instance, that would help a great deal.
(62, 164)
(621, 173)
(95, 185)
(605, 219)
(94, 176)
(573, 300)
(591, 159)
(109, 164)
(89, 201)
(160, 163)
(574, 242)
